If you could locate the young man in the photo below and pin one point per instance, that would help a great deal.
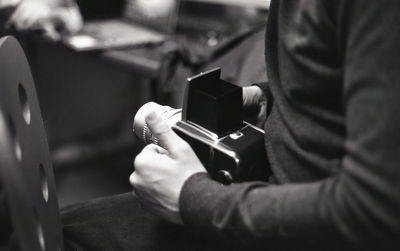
(331, 138)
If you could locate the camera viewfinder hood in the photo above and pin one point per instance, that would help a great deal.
(213, 103)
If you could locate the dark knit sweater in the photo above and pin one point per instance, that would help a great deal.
(332, 137)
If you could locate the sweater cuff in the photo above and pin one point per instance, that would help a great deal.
(199, 198)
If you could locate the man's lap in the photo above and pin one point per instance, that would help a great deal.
(121, 223)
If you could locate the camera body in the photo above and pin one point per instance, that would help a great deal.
(211, 121)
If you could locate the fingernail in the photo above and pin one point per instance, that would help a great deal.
(152, 116)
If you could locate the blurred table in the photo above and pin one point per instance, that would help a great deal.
(89, 97)
(144, 61)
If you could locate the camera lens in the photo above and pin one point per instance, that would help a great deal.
(170, 115)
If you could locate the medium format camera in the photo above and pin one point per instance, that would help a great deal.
(211, 121)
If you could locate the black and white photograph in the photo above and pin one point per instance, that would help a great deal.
(195, 125)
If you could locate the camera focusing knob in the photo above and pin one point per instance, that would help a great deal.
(224, 177)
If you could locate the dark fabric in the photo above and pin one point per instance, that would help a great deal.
(5, 221)
(120, 223)
(5, 14)
(332, 136)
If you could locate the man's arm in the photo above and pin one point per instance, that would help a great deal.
(5, 221)
(358, 206)
(361, 204)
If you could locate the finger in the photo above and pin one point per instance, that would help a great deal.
(152, 149)
(141, 192)
(251, 95)
(150, 154)
(137, 188)
(263, 110)
(160, 150)
(160, 130)
(133, 179)
(246, 96)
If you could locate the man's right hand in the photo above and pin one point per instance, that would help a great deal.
(161, 171)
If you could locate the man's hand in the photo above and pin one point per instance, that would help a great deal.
(37, 16)
(161, 171)
(27, 15)
(254, 105)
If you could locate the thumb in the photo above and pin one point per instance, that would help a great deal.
(167, 138)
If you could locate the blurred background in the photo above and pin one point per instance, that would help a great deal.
(95, 62)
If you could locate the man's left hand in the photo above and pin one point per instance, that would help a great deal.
(161, 171)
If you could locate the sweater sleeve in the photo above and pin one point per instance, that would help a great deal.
(360, 205)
